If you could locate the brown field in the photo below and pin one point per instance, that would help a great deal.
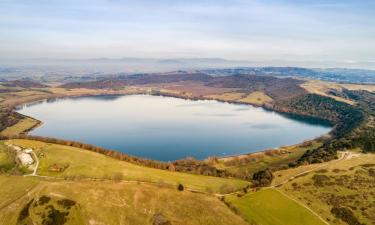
(109, 202)
(256, 98)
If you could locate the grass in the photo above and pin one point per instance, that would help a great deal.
(257, 98)
(281, 176)
(14, 187)
(229, 96)
(347, 183)
(83, 163)
(109, 202)
(3, 155)
(323, 88)
(269, 206)
(20, 127)
(6, 164)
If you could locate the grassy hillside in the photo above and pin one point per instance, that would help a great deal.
(270, 207)
(348, 183)
(85, 164)
(109, 202)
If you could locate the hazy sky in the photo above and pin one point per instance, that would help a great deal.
(338, 30)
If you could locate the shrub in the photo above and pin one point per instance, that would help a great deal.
(43, 200)
(320, 180)
(371, 172)
(159, 219)
(25, 211)
(117, 176)
(262, 178)
(180, 187)
(345, 215)
(66, 203)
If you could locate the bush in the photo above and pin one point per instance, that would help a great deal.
(159, 219)
(320, 180)
(345, 215)
(118, 176)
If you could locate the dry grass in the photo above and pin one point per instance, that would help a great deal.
(191, 88)
(322, 88)
(257, 98)
(108, 202)
(230, 96)
(347, 183)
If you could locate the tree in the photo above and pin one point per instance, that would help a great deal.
(262, 178)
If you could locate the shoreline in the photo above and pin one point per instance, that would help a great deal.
(120, 93)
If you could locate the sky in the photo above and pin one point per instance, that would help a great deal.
(299, 30)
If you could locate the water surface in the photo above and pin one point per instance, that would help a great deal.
(165, 128)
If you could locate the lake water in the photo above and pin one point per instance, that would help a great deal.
(167, 129)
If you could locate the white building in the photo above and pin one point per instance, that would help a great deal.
(25, 159)
(28, 151)
(17, 148)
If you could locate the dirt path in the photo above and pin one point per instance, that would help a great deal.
(343, 156)
(36, 166)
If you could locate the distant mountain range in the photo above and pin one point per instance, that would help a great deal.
(45, 69)
(329, 74)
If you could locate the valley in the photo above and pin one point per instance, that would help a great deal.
(120, 188)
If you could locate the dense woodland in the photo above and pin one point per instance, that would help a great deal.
(353, 124)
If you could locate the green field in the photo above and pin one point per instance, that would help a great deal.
(85, 164)
(270, 207)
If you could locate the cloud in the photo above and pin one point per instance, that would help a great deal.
(236, 29)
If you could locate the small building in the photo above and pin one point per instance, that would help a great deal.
(28, 151)
(25, 159)
(17, 148)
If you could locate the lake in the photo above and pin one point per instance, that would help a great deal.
(165, 128)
